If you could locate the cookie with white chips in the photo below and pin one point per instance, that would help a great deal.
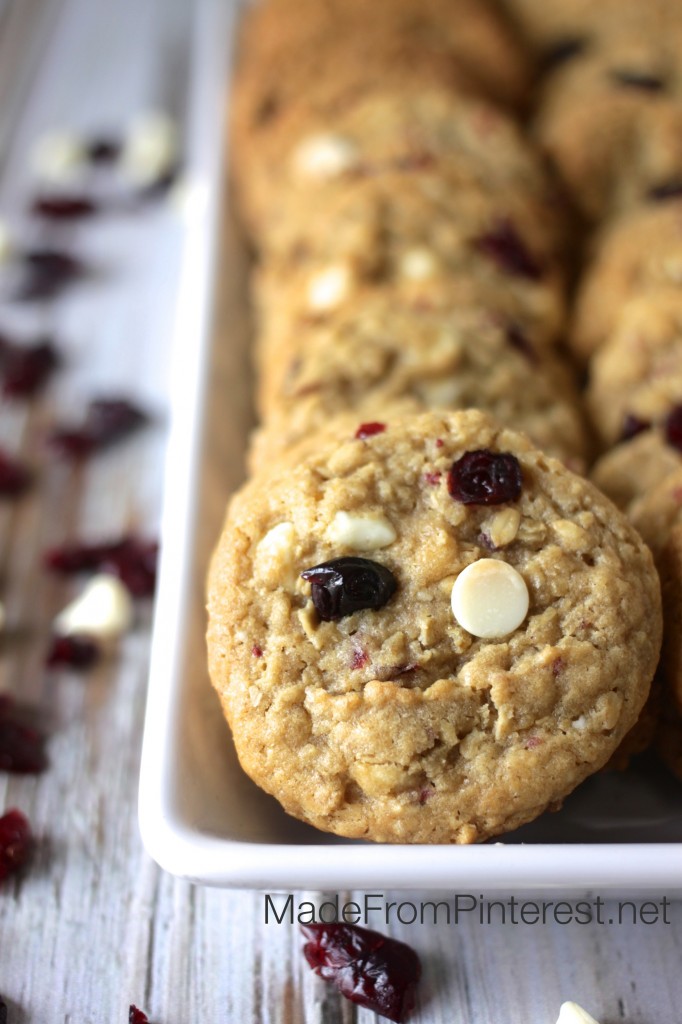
(429, 633)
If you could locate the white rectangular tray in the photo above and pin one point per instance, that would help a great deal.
(200, 817)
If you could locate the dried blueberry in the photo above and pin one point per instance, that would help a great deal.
(346, 585)
(368, 968)
(673, 427)
(366, 430)
(638, 80)
(485, 478)
(15, 842)
(107, 420)
(25, 368)
(21, 743)
(505, 247)
(632, 425)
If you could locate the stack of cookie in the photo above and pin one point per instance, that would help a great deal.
(610, 118)
(422, 627)
(410, 245)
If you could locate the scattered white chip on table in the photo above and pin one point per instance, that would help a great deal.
(571, 1013)
(490, 599)
(104, 610)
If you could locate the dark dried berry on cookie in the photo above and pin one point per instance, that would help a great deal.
(666, 190)
(505, 247)
(485, 478)
(633, 425)
(673, 427)
(561, 51)
(366, 430)
(638, 80)
(368, 968)
(346, 585)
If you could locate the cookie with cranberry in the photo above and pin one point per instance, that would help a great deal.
(390, 675)
(389, 129)
(380, 354)
(611, 123)
(636, 377)
(640, 251)
(635, 466)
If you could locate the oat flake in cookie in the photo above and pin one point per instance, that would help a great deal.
(393, 722)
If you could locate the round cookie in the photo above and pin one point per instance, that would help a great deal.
(658, 511)
(396, 128)
(635, 467)
(611, 122)
(390, 721)
(636, 378)
(380, 354)
(640, 251)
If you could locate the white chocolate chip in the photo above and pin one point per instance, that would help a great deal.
(364, 533)
(104, 610)
(418, 264)
(320, 157)
(151, 148)
(57, 157)
(490, 599)
(275, 553)
(502, 527)
(329, 288)
(580, 724)
(571, 1013)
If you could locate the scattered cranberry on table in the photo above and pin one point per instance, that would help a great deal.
(22, 745)
(45, 273)
(24, 369)
(133, 560)
(14, 477)
(107, 421)
(135, 1016)
(64, 207)
(103, 149)
(15, 842)
(76, 652)
(368, 968)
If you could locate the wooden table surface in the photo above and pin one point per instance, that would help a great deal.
(92, 924)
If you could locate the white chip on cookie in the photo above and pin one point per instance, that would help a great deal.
(363, 533)
(490, 599)
(418, 264)
(571, 1013)
(329, 288)
(319, 157)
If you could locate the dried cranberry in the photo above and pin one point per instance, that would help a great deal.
(45, 273)
(107, 421)
(637, 80)
(133, 560)
(257, 651)
(366, 430)
(505, 247)
(561, 51)
(360, 659)
(14, 477)
(15, 842)
(136, 1016)
(346, 585)
(632, 425)
(673, 427)
(64, 207)
(368, 968)
(666, 190)
(76, 652)
(21, 744)
(485, 478)
(518, 340)
(102, 149)
(25, 368)
(433, 478)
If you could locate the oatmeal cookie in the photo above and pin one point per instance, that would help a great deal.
(380, 354)
(636, 378)
(360, 699)
(636, 466)
(640, 251)
(611, 123)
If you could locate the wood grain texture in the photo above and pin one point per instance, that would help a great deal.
(95, 925)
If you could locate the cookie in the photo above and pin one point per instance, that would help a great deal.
(640, 251)
(658, 511)
(395, 128)
(635, 467)
(380, 354)
(611, 123)
(360, 700)
(636, 378)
